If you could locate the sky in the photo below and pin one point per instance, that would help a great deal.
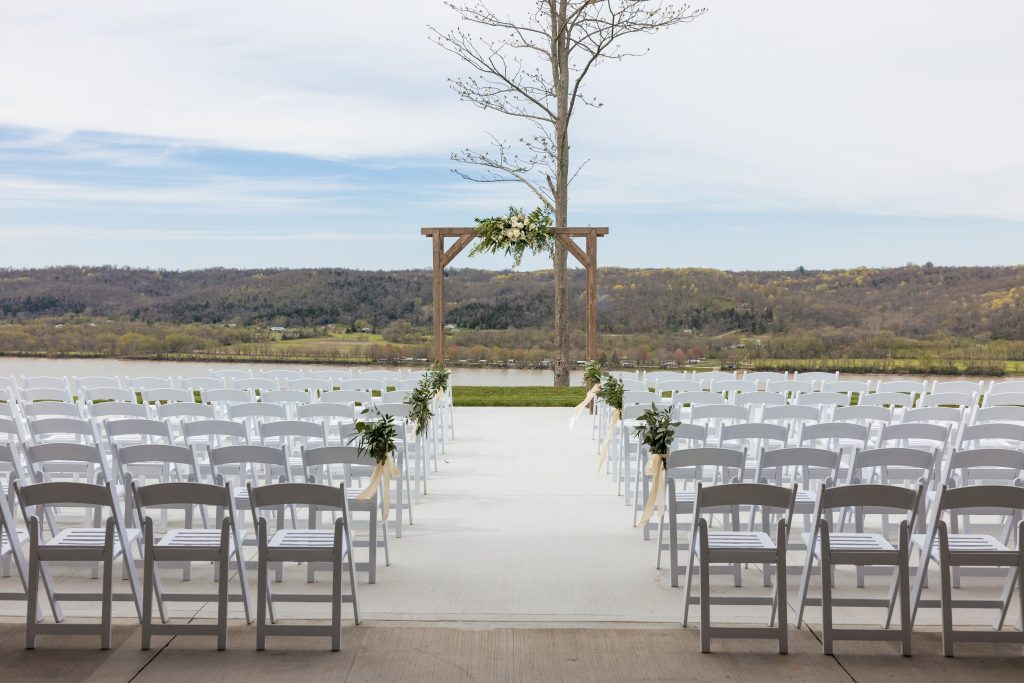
(317, 133)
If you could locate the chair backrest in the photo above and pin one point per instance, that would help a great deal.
(227, 396)
(633, 385)
(790, 386)
(177, 494)
(118, 409)
(214, 431)
(406, 384)
(45, 394)
(953, 417)
(108, 394)
(835, 431)
(641, 397)
(732, 495)
(697, 398)
(958, 386)
(127, 457)
(41, 456)
(282, 430)
(285, 396)
(230, 376)
(823, 398)
(754, 431)
(1000, 414)
(762, 378)
(200, 384)
(1012, 386)
(917, 431)
(731, 386)
(44, 382)
(346, 396)
(42, 409)
(727, 460)
(676, 385)
(338, 411)
(278, 495)
(48, 428)
(147, 383)
(922, 463)
(846, 386)
(1010, 498)
(948, 399)
(281, 375)
(249, 456)
(399, 411)
(690, 435)
(812, 463)
(239, 411)
(985, 465)
(816, 378)
(871, 495)
(335, 377)
(83, 384)
(138, 428)
(765, 398)
(65, 494)
(791, 412)
(366, 385)
(978, 434)
(389, 377)
(902, 386)
(1007, 399)
(396, 396)
(719, 412)
(167, 411)
(888, 398)
(259, 384)
(653, 379)
(708, 378)
(168, 395)
(863, 414)
(310, 385)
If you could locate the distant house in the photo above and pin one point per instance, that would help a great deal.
(277, 328)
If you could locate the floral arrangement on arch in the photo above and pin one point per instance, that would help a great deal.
(514, 233)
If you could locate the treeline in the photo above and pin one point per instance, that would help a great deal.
(915, 302)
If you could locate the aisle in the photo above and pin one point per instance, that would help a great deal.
(518, 525)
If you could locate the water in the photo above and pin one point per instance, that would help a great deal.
(84, 367)
(105, 367)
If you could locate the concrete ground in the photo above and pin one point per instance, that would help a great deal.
(522, 564)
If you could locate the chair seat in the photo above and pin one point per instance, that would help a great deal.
(87, 537)
(806, 496)
(739, 540)
(314, 539)
(964, 543)
(196, 538)
(846, 542)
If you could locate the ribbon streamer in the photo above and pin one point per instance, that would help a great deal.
(608, 439)
(583, 406)
(656, 470)
(383, 472)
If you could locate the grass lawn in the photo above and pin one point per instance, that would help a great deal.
(535, 397)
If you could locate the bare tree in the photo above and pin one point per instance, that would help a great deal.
(533, 68)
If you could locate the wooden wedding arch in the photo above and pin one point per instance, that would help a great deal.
(586, 255)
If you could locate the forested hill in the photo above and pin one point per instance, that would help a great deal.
(912, 301)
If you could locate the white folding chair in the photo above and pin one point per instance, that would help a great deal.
(735, 547)
(218, 545)
(303, 545)
(860, 548)
(76, 544)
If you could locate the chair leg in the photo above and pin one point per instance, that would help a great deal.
(222, 597)
(805, 581)
(108, 597)
(783, 605)
(826, 597)
(689, 582)
(33, 585)
(373, 543)
(336, 603)
(147, 588)
(947, 595)
(262, 587)
(705, 596)
(903, 576)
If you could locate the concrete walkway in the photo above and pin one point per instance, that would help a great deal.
(523, 564)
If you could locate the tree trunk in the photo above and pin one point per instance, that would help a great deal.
(560, 64)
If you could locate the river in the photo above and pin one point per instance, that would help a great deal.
(83, 367)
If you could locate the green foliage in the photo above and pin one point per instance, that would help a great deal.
(514, 233)
(611, 391)
(656, 431)
(438, 377)
(518, 397)
(592, 373)
(421, 398)
(376, 438)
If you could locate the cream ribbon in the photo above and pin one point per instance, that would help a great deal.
(583, 406)
(616, 413)
(656, 471)
(382, 473)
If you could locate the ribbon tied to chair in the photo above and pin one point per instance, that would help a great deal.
(656, 471)
(382, 474)
(616, 413)
(583, 405)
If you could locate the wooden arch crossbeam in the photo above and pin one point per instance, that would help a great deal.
(444, 255)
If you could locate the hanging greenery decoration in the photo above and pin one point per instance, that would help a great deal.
(421, 399)
(515, 233)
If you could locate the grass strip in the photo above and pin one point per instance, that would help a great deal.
(518, 397)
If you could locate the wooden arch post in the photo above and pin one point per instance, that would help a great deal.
(586, 255)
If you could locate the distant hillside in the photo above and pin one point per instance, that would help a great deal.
(912, 301)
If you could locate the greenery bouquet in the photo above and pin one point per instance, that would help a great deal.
(515, 233)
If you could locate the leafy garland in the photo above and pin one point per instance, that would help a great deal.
(421, 399)
(655, 430)
(592, 373)
(611, 391)
(376, 438)
(515, 233)
(437, 378)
